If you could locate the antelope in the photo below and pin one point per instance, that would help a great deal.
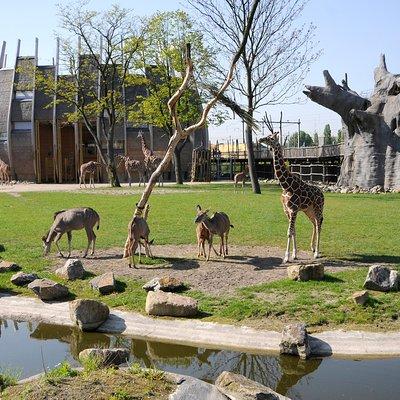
(131, 166)
(138, 229)
(241, 177)
(218, 224)
(4, 172)
(203, 235)
(66, 221)
(88, 168)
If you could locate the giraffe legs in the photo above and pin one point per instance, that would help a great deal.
(291, 236)
(318, 226)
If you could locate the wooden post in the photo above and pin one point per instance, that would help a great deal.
(36, 156)
(57, 169)
(77, 126)
(98, 120)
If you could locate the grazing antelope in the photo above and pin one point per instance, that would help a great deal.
(4, 172)
(73, 219)
(241, 177)
(132, 166)
(218, 224)
(88, 168)
(138, 229)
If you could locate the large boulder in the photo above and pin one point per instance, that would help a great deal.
(105, 283)
(7, 266)
(381, 278)
(166, 284)
(88, 314)
(47, 289)
(170, 304)
(238, 387)
(72, 269)
(112, 356)
(306, 272)
(189, 388)
(295, 341)
(22, 278)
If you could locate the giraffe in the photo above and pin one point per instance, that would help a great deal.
(297, 195)
(4, 172)
(132, 166)
(88, 168)
(241, 177)
(151, 161)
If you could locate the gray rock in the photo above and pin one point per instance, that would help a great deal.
(306, 272)
(361, 297)
(112, 356)
(194, 389)
(170, 304)
(88, 314)
(7, 266)
(238, 387)
(381, 278)
(295, 341)
(22, 278)
(166, 284)
(72, 269)
(47, 289)
(105, 283)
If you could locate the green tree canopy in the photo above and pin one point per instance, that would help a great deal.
(305, 140)
(328, 135)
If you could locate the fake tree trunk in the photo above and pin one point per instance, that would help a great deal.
(371, 128)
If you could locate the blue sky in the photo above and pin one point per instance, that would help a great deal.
(351, 35)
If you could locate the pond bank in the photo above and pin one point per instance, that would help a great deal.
(197, 333)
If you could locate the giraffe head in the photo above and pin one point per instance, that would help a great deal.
(140, 135)
(271, 140)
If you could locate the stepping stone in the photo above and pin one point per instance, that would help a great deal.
(113, 356)
(72, 269)
(105, 283)
(7, 266)
(47, 289)
(88, 314)
(382, 278)
(170, 304)
(295, 341)
(166, 284)
(360, 297)
(22, 278)
(306, 272)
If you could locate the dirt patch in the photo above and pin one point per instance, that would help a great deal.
(245, 266)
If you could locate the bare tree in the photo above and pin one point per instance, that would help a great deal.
(180, 132)
(276, 57)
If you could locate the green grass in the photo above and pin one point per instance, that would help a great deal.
(8, 378)
(60, 372)
(356, 227)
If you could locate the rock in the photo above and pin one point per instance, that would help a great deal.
(295, 341)
(170, 304)
(238, 387)
(166, 284)
(306, 272)
(376, 189)
(360, 297)
(47, 289)
(72, 269)
(7, 266)
(345, 190)
(381, 278)
(88, 314)
(22, 278)
(105, 283)
(112, 356)
(194, 389)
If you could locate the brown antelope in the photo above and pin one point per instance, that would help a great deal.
(218, 224)
(131, 166)
(4, 172)
(241, 177)
(88, 168)
(203, 235)
(73, 219)
(138, 229)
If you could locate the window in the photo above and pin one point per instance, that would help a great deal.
(22, 126)
(23, 95)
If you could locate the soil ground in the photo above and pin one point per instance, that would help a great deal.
(245, 266)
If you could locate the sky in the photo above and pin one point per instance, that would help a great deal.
(351, 35)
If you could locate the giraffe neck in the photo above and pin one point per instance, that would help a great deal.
(145, 150)
(283, 175)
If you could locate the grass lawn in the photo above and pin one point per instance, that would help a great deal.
(356, 227)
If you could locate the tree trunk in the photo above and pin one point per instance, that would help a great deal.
(371, 129)
(177, 165)
(111, 167)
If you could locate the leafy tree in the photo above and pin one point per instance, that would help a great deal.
(276, 58)
(340, 136)
(315, 139)
(305, 139)
(78, 90)
(162, 62)
(327, 135)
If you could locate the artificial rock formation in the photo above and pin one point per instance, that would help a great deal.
(371, 128)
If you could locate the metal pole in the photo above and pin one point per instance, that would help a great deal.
(298, 138)
(280, 129)
(33, 128)
(57, 161)
(2, 54)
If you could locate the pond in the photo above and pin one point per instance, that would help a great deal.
(30, 347)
